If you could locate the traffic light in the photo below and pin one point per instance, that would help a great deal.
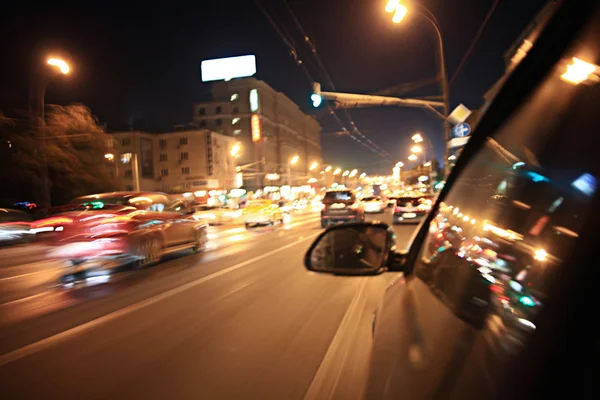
(316, 97)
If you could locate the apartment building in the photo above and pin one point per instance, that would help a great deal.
(269, 126)
(174, 162)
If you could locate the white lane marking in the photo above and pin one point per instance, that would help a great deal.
(22, 299)
(326, 379)
(33, 273)
(51, 340)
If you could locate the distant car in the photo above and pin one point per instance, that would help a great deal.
(341, 206)
(122, 227)
(373, 204)
(262, 212)
(15, 226)
(215, 215)
(411, 210)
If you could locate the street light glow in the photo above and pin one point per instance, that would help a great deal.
(577, 72)
(328, 168)
(417, 138)
(314, 166)
(294, 160)
(399, 164)
(353, 173)
(346, 173)
(391, 5)
(412, 157)
(400, 13)
(337, 171)
(416, 149)
(109, 156)
(60, 64)
(363, 175)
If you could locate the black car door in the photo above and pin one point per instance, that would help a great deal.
(470, 305)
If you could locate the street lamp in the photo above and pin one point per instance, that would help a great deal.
(314, 166)
(36, 115)
(293, 161)
(353, 173)
(337, 171)
(412, 157)
(363, 175)
(328, 168)
(416, 149)
(400, 12)
(346, 173)
(60, 64)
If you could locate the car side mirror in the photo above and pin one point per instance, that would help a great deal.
(354, 249)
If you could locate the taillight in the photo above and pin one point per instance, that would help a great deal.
(52, 221)
(397, 209)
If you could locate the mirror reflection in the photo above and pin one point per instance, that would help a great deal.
(350, 247)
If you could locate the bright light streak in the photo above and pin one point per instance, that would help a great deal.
(412, 157)
(314, 166)
(540, 255)
(294, 160)
(316, 100)
(416, 149)
(337, 171)
(391, 5)
(328, 168)
(60, 64)
(235, 150)
(417, 138)
(353, 173)
(578, 72)
(400, 13)
(346, 173)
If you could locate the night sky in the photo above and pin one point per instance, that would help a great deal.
(141, 63)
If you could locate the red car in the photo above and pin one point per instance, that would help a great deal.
(110, 229)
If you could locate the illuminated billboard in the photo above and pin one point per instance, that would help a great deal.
(224, 69)
(255, 122)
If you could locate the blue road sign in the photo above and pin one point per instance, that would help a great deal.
(461, 130)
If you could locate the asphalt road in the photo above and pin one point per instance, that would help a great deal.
(245, 320)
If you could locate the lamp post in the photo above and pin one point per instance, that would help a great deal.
(400, 12)
(53, 67)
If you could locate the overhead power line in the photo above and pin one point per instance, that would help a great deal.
(474, 42)
(355, 132)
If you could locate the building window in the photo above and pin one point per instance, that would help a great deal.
(126, 158)
(129, 188)
(236, 110)
(219, 109)
(163, 157)
(128, 173)
(165, 187)
(219, 122)
(237, 132)
(203, 123)
(164, 172)
(162, 143)
(235, 121)
(202, 111)
(126, 141)
(184, 155)
(183, 140)
(185, 170)
(235, 96)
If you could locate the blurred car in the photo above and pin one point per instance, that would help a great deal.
(15, 226)
(111, 229)
(411, 210)
(215, 215)
(262, 212)
(341, 206)
(373, 204)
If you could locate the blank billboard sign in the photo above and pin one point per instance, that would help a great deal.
(224, 69)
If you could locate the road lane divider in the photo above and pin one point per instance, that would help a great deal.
(92, 324)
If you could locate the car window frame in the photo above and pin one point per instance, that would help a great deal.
(519, 83)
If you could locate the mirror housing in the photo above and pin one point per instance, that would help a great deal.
(355, 249)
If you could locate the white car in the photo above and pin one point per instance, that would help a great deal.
(216, 215)
(373, 204)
